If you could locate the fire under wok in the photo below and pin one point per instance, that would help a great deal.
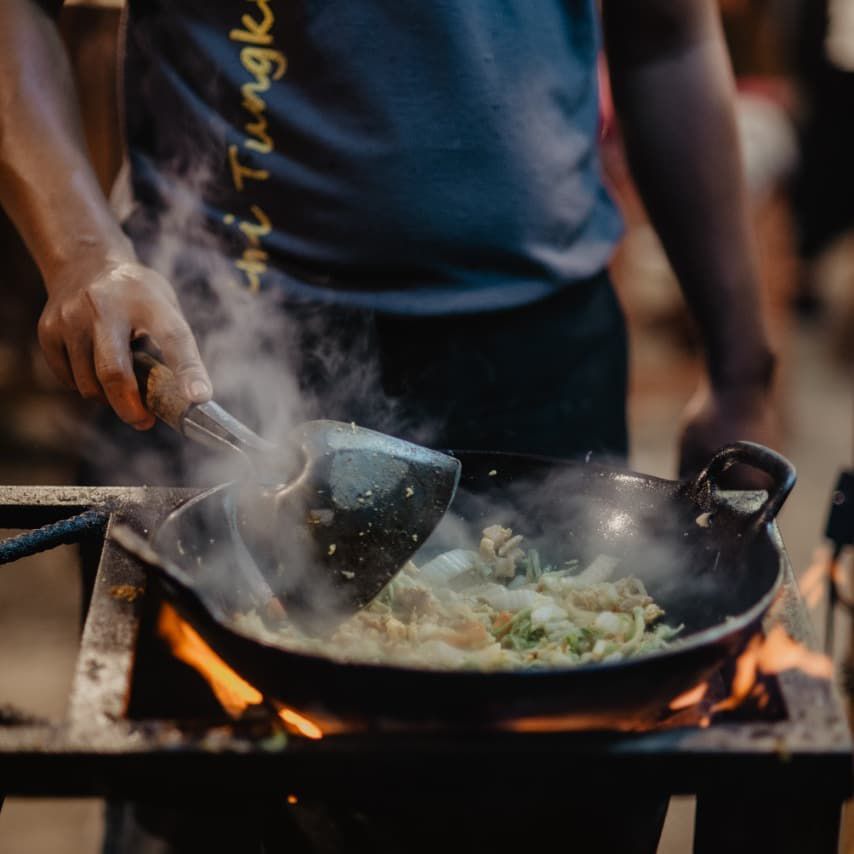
(712, 563)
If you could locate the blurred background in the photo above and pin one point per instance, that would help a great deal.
(794, 61)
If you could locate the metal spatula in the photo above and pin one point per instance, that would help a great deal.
(331, 515)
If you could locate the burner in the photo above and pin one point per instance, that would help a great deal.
(142, 725)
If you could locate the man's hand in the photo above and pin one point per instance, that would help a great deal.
(88, 325)
(716, 417)
(99, 297)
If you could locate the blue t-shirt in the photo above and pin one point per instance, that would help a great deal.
(411, 156)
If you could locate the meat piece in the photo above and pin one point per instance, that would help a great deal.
(413, 601)
(500, 550)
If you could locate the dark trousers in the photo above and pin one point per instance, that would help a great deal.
(548, 378)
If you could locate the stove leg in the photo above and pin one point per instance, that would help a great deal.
(782, 825)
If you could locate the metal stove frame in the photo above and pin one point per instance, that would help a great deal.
(761, 785)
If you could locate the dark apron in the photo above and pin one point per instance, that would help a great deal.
(547, 378)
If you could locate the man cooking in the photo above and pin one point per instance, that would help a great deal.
(430, 171)
(414, 182)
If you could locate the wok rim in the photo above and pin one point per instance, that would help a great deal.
(712, 636)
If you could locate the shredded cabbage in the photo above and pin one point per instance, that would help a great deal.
(495, 608)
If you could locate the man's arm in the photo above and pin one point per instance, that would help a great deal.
(99, 296)
(673, 91)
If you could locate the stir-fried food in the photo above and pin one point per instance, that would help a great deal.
(497, 607)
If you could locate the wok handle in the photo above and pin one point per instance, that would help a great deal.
(206, 423)
(160, 390)
(776, 466)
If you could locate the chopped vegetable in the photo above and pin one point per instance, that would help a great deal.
(498, 607)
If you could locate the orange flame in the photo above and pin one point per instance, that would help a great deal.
(744, 678)
(768, 655)
(772, 654)
(234, 693)
(781, 652)
(690, 698)
(301, 724)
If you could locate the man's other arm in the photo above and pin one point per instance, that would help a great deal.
(673, 91)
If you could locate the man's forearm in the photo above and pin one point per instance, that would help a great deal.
(47, 184)
(673, 91)
(99, 298)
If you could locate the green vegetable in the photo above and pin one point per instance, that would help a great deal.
(519, 633)
(580, 641)
(533, 570)
(507, 627)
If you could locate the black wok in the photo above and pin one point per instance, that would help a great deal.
(711, 563)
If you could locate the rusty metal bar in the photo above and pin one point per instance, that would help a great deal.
(33, 506)
(104, 671)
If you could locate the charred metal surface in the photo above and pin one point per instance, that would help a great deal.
(33, 506)
(104, 670)
(99, 750)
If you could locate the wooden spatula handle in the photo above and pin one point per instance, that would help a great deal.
(161, 392)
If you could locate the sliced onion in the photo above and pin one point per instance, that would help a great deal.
(560, 629)
(440, 571)
(547, 613)
(600, 569)
(502, 599)
(609, 622)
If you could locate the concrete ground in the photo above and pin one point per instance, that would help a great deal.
(39, 597)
